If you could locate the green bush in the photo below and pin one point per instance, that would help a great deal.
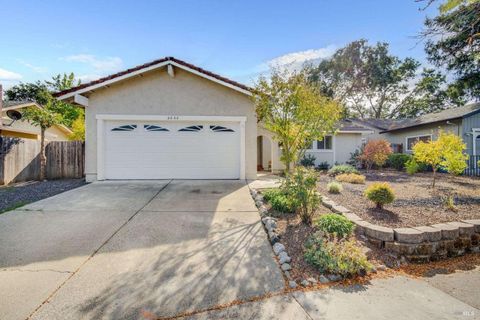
(269, 194)
(335, 223)
(334, 255)
(411, 166)
(283, 203)
(351, 178)
(380, 193)
(308, 160)
(398, 160)
(343, 168)
(301, 186)
(334, 187)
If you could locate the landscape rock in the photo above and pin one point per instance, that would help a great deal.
(449, 232)
(286, 267)
(312, 280)
(382, 267)
(283, 257)
(323, 279)
(304, 283)
(475, 223)
(334, 277)
(379, 232)
(292, 284)
(274, 239)
(287, 275)
(278, 247)
(270, 225)
(464, 229)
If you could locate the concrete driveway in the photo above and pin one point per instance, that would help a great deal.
(134, 250)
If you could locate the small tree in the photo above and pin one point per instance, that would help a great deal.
(78, 129)
(375, 152)
(43, 118)
(446, 152)
(295, 112)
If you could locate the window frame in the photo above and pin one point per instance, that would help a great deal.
(417, 136)
(314, 146)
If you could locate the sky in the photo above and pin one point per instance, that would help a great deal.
(236, 39)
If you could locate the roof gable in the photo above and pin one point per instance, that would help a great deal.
(156, 64)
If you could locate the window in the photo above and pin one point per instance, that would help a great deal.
(220, 129)
(151, 127)
(412, 140)
(128, 127)
(325, 144)
(192, 128)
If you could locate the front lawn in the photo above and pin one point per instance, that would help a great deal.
(416, 203)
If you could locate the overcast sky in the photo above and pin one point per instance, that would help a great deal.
(237, 39)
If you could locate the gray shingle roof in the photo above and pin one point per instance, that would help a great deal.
(347, 125)
(445, 115)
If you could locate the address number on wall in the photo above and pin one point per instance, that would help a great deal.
(173, 117)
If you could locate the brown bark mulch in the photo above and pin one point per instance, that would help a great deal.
(416, 203)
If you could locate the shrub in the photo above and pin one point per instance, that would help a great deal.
(302, 187)
(283, 203)
(308, 160)
(351, 178)
(411, 166)
(355, 157)
(335, 223)
(334, 255)
(343, 168)
(398, 160)
(334, 187)
(323, 166)
(269, 194)
(375, 152)
(380, 193)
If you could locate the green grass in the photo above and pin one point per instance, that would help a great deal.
(14, 206)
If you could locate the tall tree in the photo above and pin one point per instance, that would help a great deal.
(41, 93)
(367, 79)
(295, 112)
(453, 43)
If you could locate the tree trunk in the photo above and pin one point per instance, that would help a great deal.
(43, 158)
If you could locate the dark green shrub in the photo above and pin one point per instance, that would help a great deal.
(335, 255)
(380, 193)
(308, 160)
(398, 160)
(323, 166)
(343, 168)
(271, 193)
(335, 223)
(334, 187)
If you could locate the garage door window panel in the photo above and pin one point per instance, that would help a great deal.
(155, 128)
(196, 128)
(221, 129)
(129, 127)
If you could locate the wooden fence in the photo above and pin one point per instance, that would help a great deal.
(473, 168)
(20, 160)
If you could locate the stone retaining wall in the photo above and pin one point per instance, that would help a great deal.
(419, 244)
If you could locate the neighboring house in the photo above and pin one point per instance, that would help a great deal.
(24, 129)
(403, 134)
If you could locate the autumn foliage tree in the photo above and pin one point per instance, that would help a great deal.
(446, 152)
(375, 152)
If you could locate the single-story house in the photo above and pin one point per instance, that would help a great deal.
(24, 129)
(403, 134)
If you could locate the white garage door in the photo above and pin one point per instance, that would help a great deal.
(171, 150)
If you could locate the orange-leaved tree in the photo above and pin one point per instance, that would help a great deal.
(375, 152)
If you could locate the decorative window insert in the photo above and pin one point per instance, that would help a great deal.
(192, 128)
(127, 127)
(220, 129)
(411, 141)
(151, 127)
(325, 144)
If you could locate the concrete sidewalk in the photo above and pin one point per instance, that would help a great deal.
(392, 298)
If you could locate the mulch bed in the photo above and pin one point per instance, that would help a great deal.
(20, 194)
(416, 203)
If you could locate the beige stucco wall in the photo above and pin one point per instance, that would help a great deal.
(401, 135)
(156, 93)
(51, 134)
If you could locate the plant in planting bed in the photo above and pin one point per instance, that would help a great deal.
(323, 166)
(334, 187)
(380, 193)
(280, 200)
(308, 160)
(301, 185)
(375, 152)
(335, 255)
(335, 224)
(340, 169)
(351, 178)
(398, 160)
